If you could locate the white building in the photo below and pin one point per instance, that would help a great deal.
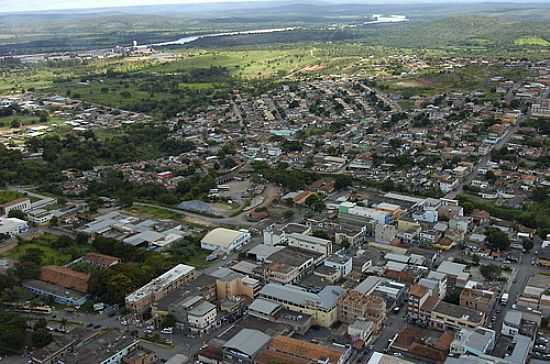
(226, 240)
(311, 243)
(39, 216)
(342, 263)
(202, 316)
(12, 226)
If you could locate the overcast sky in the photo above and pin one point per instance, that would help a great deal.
(34, 5)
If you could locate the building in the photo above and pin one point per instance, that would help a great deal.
(100, 261)
(456, 273)
(341, 262)
(483, 300)
(225, 240)
(141, 300)
(447, 315)
(310, 243)
(427, 346)
(394, 293)
(21, 204)
(350, 211)
(274, 235)
(61, 295)
(65, 277)
(275, 312)
(39, 216)
(243, 347)
(353, 306)
(320, 306)
(289, 265)
(478, 341)
(284, 349)
(104, 347)
(12, 226)
(194, 314)
(233, 284)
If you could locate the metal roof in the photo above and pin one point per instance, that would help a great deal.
(248, 341)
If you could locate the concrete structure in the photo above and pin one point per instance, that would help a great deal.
(447, 315)
(224, 240)
(141, 300)
(457, 276)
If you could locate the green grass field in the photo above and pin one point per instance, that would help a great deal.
(49, 254)
(532, 41)
(154, 212)
(7, 196)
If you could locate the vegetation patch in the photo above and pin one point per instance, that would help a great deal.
(532, 41)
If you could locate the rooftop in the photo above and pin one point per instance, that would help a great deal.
(160, 282)
(248, 341)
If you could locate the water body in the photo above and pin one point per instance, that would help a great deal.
(191, 39)
(380, 19)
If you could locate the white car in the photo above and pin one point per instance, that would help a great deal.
(168, 330)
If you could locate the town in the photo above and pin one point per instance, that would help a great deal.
(394, 213)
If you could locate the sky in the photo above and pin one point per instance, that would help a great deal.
(37, 5)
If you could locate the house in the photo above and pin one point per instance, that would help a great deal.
(225, 240)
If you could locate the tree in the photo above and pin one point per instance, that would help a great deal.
(54, 221)
(169, 321)
(490, 272)
(528, 244)
(497, 239)
(18, 214)
(321, 234)
(342, 181)
(288, 214)
(315, 203)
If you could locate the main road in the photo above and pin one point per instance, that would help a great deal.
(482, 163)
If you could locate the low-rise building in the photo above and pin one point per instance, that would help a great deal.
(284, 349)
(12, 226)
(141, 300)
(225, 240)
(320, 306)
(243, 347)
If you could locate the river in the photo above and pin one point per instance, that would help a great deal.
(193, 38)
